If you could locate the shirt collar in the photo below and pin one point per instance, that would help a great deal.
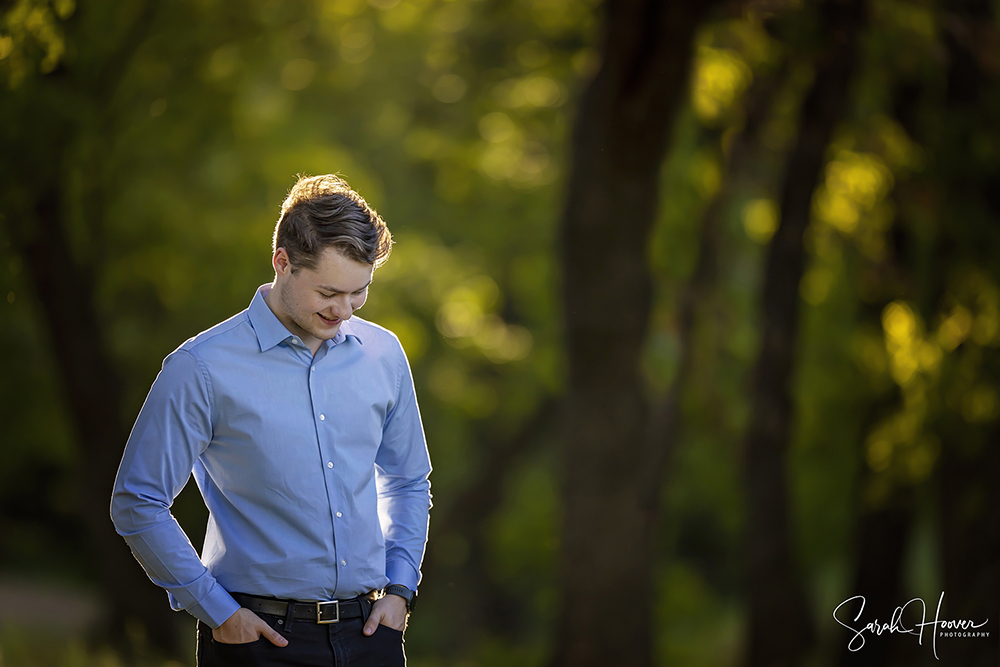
(347, 329)
(270, 331)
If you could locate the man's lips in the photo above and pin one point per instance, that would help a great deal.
(328, 321)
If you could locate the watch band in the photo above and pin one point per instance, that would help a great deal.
(403, 592)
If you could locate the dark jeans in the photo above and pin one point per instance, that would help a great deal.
(309, 645)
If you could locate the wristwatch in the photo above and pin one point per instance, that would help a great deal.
(403, 592)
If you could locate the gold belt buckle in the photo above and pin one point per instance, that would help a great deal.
(322, 610)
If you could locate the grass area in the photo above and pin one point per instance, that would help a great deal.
(21, 647)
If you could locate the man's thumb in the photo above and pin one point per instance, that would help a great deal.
(274, 637)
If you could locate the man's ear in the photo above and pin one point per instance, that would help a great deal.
(281, 263)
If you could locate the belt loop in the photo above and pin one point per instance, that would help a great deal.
(289, 615)
(366, 607)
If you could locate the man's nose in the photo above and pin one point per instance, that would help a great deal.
(341, 307)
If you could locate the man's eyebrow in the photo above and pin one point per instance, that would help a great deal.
(327, 288)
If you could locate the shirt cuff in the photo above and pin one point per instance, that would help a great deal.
(401, 572)
(216, 608)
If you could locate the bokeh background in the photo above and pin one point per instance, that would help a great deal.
(702, 301)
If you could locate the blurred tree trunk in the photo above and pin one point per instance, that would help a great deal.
(970, 535)
(776, 595)
(743, 153)
(970, 463)
(619, 141)
(53, 114)
(464, 522)
(886, 508)
(882, 534)
(93, 392)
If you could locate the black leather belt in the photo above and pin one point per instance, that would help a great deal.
(317, 611)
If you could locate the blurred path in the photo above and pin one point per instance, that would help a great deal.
(54, 607)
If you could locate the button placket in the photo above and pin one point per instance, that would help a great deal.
(325, 436)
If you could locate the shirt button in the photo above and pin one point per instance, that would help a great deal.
(343, 562)
(340, 514)
(312, 370)
(322, 417)
(329, 464)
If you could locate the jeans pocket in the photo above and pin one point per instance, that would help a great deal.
(217, 654)
(259, 640)
(213, 653)
(389, 632)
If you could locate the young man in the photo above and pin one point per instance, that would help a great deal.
(300, 425)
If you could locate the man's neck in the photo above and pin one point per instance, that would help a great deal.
(274, 303)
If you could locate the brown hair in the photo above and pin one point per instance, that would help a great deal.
(321, 212)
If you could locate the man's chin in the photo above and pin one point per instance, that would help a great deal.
(326, 328)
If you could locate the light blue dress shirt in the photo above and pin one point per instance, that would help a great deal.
(314, 469)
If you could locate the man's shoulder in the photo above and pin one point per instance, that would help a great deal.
(369, 331)
(375, 338)
(228, 335)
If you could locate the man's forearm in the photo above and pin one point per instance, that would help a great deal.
(406, 534)
(171, 562)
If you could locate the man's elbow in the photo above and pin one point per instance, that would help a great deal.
(131, 513)
(120, 513)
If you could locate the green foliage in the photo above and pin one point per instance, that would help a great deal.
(172, 133)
